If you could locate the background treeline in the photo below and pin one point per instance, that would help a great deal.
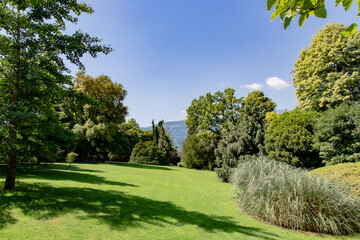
(323, 129)
(267, 156)
(88, 125)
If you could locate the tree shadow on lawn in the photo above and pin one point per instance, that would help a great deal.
(59, 175)
(46, 166)
(141, 166)
(71, 167)
(117, 209)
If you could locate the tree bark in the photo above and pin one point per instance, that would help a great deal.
(12, 156)
(11, 170)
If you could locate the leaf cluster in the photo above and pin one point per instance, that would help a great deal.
(287, 10)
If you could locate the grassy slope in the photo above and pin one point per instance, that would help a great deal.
(124, 201)
(346, 174)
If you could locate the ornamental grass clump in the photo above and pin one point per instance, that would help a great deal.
(293, 198)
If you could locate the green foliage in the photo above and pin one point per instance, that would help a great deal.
(109, 94)
(146, 135)
(130, 136)
(105, 141)
(148, 153)
(33, 46)
(289, 138)
(163, 141)
(337, 134)
(71, 157)
(133, 122)
(238, 143)
(293, 198)
(289, 9)
(213, 112)
(99, 120)
(271, 116)
(345, 174)
(256, 106)
(198, 151)
(327, 72)
(246, 138)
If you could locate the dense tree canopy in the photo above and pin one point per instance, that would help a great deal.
(32, 79)
(148, 153)
(109, 94)
(246, 137)
(337, 134)
(327, 72)
(163, 141)
(289, 138)
(238, 142)
(213, 112)
(256, 106)
(198, 151)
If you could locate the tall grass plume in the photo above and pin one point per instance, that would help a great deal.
(293, 198)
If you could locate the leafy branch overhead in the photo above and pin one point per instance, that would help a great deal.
(289, 9)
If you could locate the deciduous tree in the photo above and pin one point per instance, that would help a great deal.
(110, 96)
(337, 135)
(198, 151)
(213, 112)
(33, 43)
(327, 72)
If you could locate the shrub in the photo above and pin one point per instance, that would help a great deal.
(289, 138)
(198, 152)
(337, 135)
(345, 174)
(148, 153)
(293, 198)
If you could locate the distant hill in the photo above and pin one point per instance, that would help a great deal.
(177, 131)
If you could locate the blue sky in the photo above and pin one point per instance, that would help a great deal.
(168, 52)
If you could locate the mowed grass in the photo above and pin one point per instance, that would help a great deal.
(127, 201)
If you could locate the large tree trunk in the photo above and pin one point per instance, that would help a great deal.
(11, 170)
(12, 156)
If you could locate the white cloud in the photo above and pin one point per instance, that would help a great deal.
(276, 83)
(253, 86)
(183, 113)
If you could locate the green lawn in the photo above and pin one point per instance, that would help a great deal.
(127, 201)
